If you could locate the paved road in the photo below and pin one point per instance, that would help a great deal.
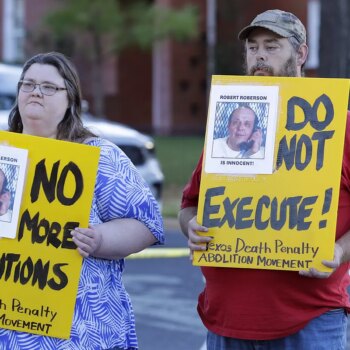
(164, 294)
(165, 305)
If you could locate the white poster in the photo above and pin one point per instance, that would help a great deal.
(241, 129)
(13, 162)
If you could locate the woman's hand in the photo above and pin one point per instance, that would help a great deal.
(115, 239)
(87, 240)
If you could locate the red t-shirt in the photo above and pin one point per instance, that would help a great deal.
(269, 304)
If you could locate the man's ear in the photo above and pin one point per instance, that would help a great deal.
(302, 54)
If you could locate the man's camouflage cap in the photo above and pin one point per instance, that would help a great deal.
(280, 22)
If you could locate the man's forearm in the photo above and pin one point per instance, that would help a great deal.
(184, 216)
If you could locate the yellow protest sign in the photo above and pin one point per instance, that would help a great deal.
(274, 206)
(40, 267)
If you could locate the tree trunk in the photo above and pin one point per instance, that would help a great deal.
(97, 76)
(335, 39)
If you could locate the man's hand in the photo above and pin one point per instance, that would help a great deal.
(256, 141)
(195, 241)
(333, 264)
(257, 138)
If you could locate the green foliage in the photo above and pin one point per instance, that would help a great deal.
(131, 24)
(150, 23)
(97, 28)
(85, 16)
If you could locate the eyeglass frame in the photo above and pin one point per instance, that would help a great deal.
(57, 88)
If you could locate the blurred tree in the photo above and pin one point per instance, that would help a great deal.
(110, 26)
(334, 52)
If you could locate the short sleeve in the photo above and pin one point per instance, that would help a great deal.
(121, 192)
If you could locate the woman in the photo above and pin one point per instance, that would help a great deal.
(124, 217)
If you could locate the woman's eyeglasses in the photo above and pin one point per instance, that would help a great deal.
(45, 88)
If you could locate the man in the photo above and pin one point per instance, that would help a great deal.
(244, 136)
(271, 309)
(5, 199)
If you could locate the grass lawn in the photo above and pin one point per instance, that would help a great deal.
(178, 156)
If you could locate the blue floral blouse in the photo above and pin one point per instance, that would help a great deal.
(103, 315)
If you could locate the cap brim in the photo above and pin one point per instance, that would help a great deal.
(244, 33)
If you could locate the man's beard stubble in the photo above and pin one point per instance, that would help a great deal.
(289, 69)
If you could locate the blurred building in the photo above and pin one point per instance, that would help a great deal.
(165, 90)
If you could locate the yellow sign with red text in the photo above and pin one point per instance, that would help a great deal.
(277, 211)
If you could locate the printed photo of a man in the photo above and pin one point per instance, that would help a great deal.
(244, 136)
(5, 199)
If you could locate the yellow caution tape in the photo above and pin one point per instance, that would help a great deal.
(160, 253)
